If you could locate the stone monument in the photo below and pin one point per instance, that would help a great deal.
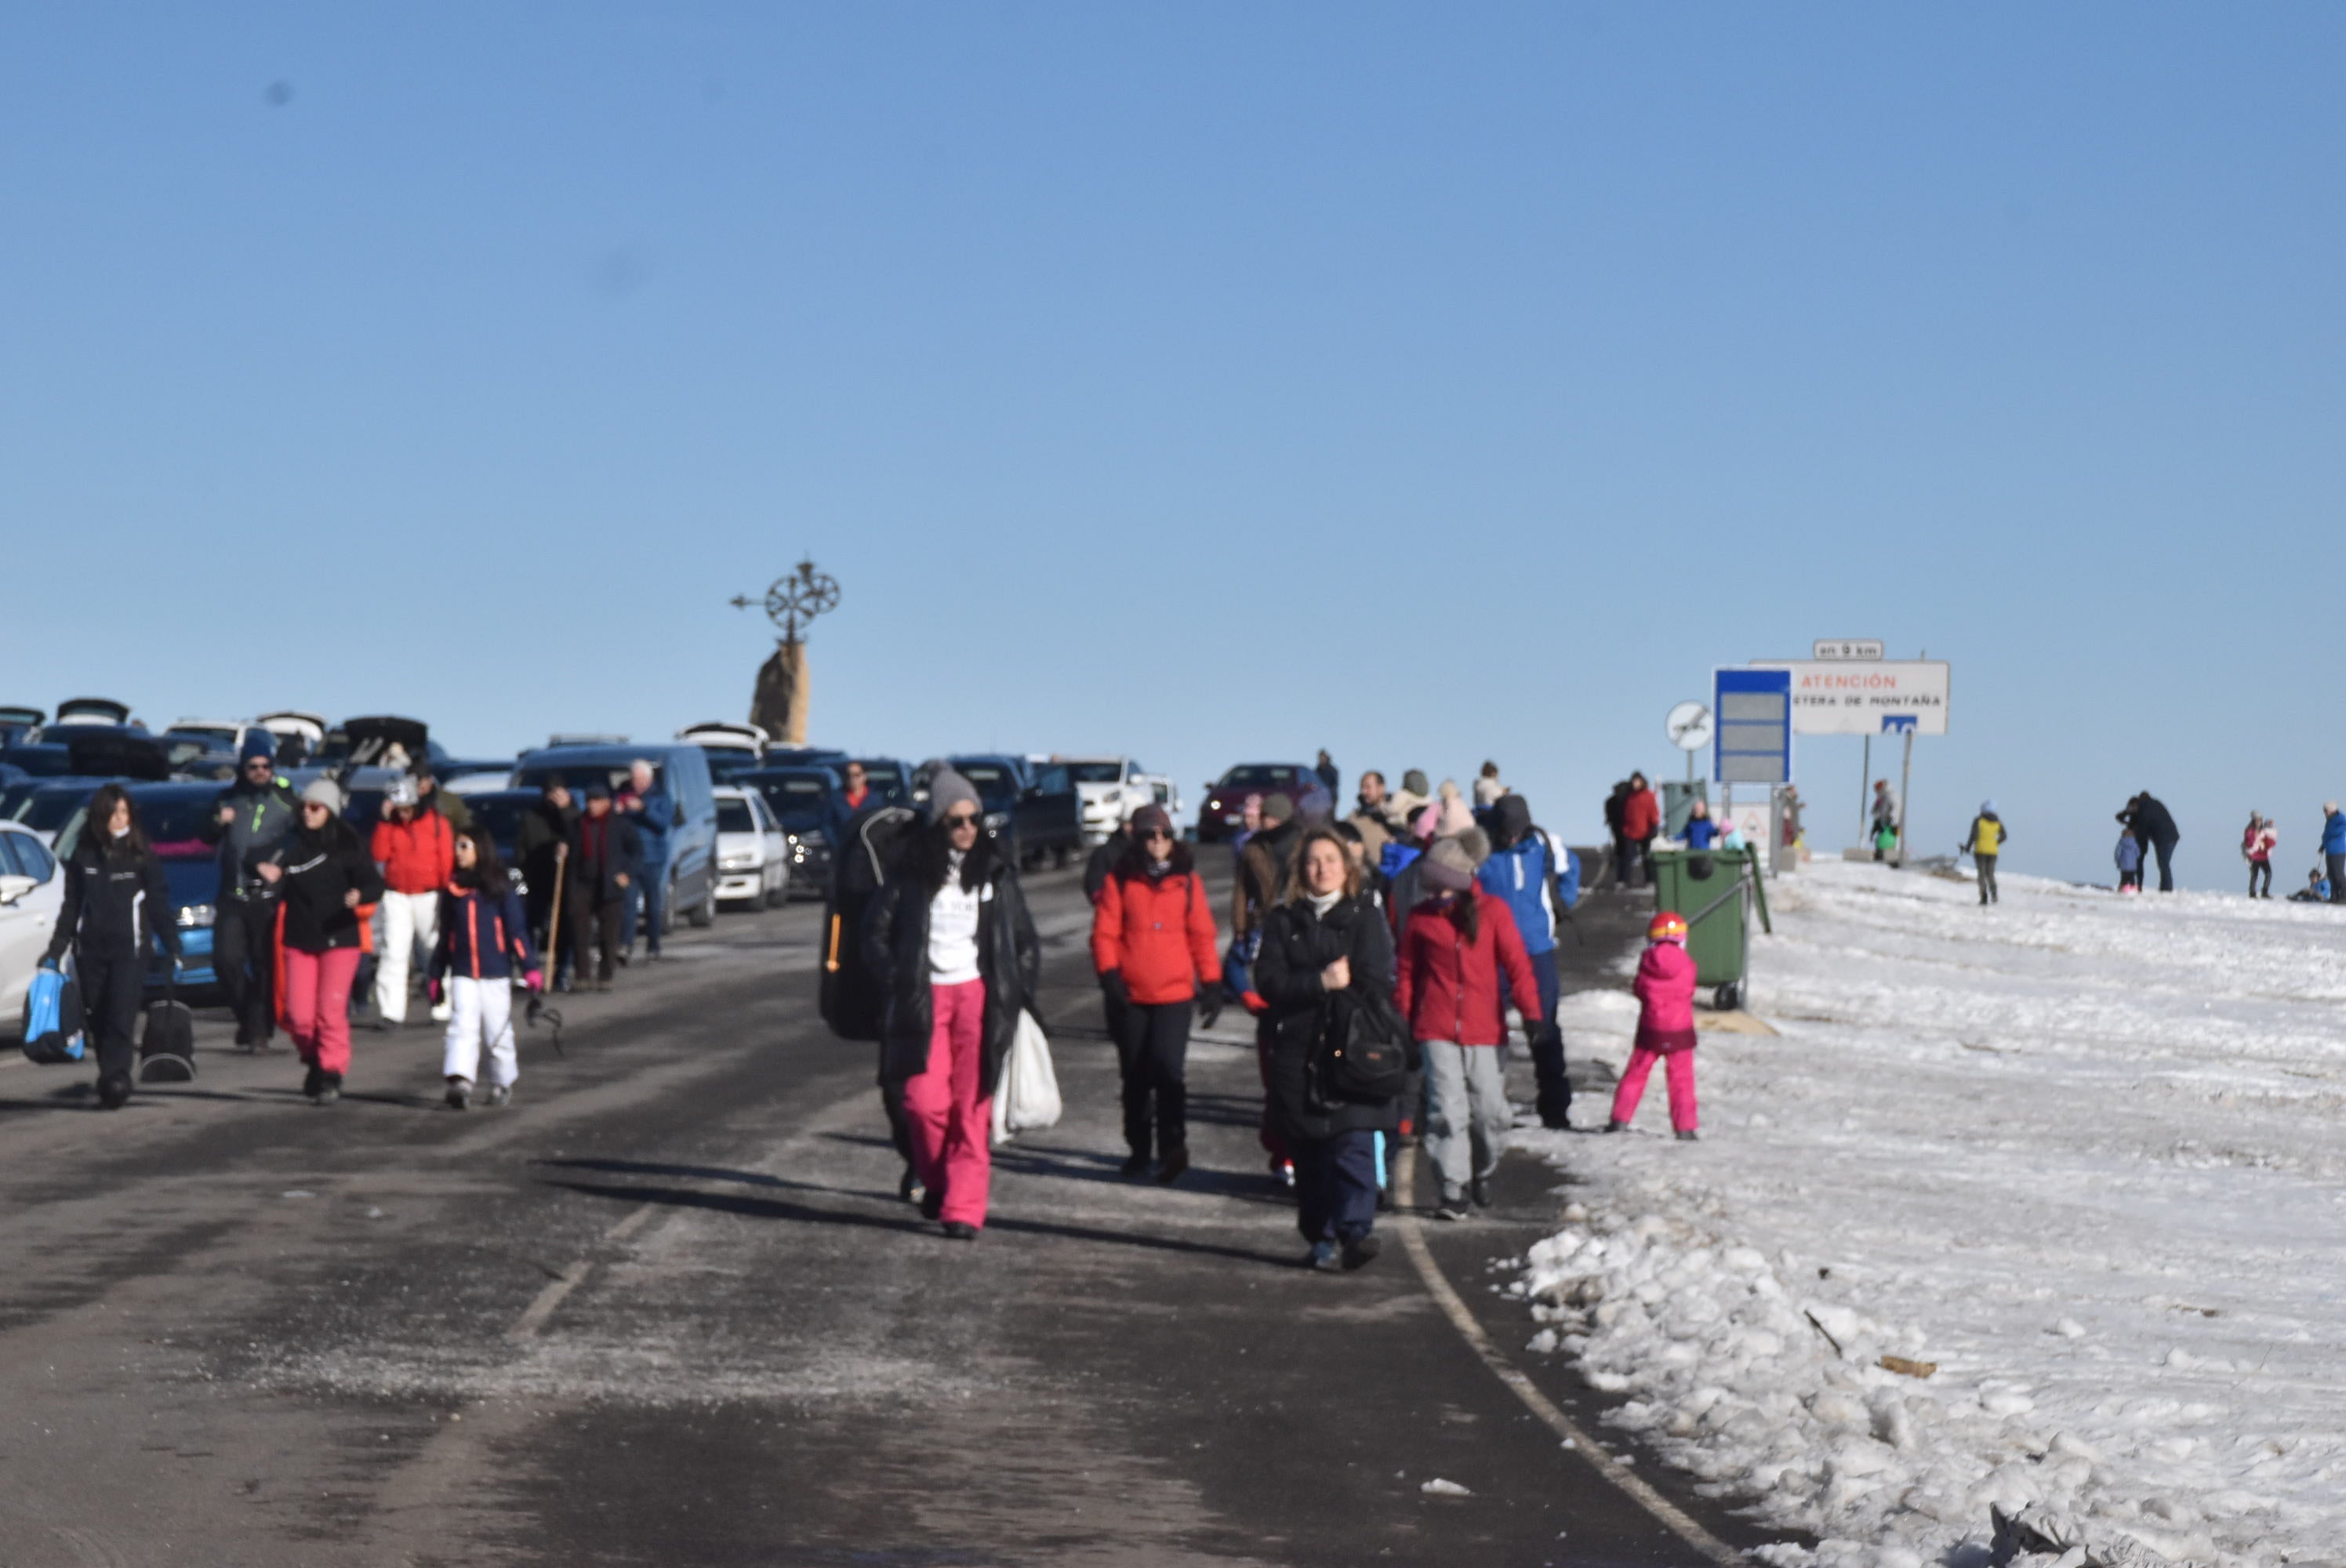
(778, 706)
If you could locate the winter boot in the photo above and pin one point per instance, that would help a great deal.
(312, 1080)
(113, 1089)
(329, 1088)
(956, 1230)
(460, 1093)
(933, 1203)
(1176, 1160)
(1688, 1136)
(1481, 1191)
(500, 1094)
(1323, 1257)
(1135, 1164)
(1617, 1126)
(1362, 1252)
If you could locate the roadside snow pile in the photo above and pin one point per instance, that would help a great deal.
(2077, 1158)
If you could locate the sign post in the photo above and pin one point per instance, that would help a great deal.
(1905, 782)
(1753, 738)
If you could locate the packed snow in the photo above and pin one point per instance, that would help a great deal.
(2080, 1156)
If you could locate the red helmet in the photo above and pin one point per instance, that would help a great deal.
(1667, 926)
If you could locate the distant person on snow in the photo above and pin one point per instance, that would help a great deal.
(118, 907)
(1702, 830)
(1641, 819)
(2315, 891)
(1882, 819)
(2333, 850)
(1664, 991)
(2130, 859)
(2154, 828)
(1153, 948)
(1982, 844)
(484, 943)
(2256, 847)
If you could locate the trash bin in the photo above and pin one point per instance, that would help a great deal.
(1714, 890)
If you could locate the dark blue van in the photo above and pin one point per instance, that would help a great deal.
(683, 772)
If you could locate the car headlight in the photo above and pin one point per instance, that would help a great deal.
(195, 917)
(812, 838)
(736, 862)
(997, 820)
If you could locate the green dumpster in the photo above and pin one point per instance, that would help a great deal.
(1714, 890)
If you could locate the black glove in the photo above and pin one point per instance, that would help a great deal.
(1112, 987)
(1209, 1007)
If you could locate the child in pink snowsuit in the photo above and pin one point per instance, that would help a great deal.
(1665, 988)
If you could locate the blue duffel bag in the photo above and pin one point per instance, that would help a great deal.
(53, 1031)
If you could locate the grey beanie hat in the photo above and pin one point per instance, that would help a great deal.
(1448, 865)
(1414, 782)
(325, 792)
(949, 790)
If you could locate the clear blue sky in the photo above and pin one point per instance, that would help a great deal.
(1213, 382)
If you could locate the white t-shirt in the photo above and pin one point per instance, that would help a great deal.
(953, 929)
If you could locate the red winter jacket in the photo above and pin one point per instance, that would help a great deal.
(1158, 933)
(1665, 988)
(1641, 817)
(417, 856)
(1449, 990)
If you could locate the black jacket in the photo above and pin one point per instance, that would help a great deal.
(115, 904)
(623, 852)
(896, 950)
(1297, 944)
(2151, 821)
(543, 827)
(1103, 863)
(319, 869)
(266, 816)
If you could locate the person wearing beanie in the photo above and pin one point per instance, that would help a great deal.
(1454, 950)
(258, 811)
(955, 954)
(2257, 846)
(1412, 797)
(1326, 958)
(1665, 991)
(1526, 872)
(328, 888)
(606, 858)
(1456, 815)
(1154, 948)
(1982, 844)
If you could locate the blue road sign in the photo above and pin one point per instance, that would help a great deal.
(1897, 723)
(1753, 742)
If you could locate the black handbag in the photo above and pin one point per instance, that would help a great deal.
(1364, 1053)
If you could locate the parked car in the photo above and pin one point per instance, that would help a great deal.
(683, 772)
(32, 894)
(1164, 793)
(51, 807)
(17, 723)
(39, 758)
(889, 779)
(373, 739)
(470, 776)
(298, 735)
(216, 734)
(733, 748)
(95, 711)
(753, 853)
(805, 802)
(1033, 813)
(172, 816)
(1224, 810)
(1107, 791)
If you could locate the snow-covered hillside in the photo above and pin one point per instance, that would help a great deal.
(2086, 1153)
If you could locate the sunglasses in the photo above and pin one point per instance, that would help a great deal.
(961, 820)
(257, 765)
(1154, 834)
(313, 806)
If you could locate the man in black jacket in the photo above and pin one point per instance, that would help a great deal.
(257, 812)
(544, 829)
(2154, 828)
(606, 857)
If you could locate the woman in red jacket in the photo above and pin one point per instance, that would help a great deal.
(1153, 944)
(1452, 952)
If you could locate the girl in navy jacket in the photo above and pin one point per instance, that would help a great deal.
(484, 943)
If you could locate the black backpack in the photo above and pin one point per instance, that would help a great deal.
(1364, 1051)
(860, 865)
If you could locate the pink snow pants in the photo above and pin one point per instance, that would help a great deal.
(318, 1004)
(951, 1114)
(1679, 1065)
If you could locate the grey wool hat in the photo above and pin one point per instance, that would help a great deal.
(325, 793)
(1449, 865)
(949, 790)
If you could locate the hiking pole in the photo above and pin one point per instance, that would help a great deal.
(537, 1007)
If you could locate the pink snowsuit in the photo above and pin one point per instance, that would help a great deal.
(1665, 989)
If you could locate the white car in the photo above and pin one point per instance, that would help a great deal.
(753, 853)
(1166, 793)
(733, 748)
(1107, 791)
(32, 893)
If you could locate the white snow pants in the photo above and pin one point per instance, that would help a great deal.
(409, 921)
(480, 1009)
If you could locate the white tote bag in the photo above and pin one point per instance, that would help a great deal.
(1027, 1098)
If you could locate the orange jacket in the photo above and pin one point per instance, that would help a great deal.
(417, 856)
(1158, 933)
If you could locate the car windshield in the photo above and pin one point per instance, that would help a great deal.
(733, 817)
(216, 737)
(1095, 772)
(41, 761)
(1259, 776)
(579, 775)
(995, 785)
(50, 809)
(801, 803)
(174, 823)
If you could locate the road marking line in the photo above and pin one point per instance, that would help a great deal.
(631, 1224)
(1454, 1307)
(540, 1310)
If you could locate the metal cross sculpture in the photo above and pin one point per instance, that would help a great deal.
(793, 602)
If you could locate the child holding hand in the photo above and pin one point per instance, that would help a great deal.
(1665, 990)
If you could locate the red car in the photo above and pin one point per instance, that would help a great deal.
(1223, 814)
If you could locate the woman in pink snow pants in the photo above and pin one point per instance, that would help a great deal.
(1665, 990)
(949, 938)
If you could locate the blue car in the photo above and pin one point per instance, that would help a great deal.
(172, 817)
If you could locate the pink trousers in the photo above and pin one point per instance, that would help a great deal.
(1680, 1068)
(951, 1116)
(318, 1004)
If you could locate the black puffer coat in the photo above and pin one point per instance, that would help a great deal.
(1297, 944)
(896, 950)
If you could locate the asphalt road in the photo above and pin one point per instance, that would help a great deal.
(666, 1309)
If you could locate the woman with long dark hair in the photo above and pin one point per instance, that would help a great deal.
(329, 886)
(957, 957)
(117, 905)
(484, 943)
(1154, 946)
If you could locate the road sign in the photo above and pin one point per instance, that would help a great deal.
(1754, 741)
(1832, 696)
(1838, 648)
(1688, 727)
(1897, 723)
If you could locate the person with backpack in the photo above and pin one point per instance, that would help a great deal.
(1665, 990)
(415, 846)
(117, 906)
(2256, 847)
(328, 886)
(1982, 844)
(258, 811)
(1525, 871)
(1326, 963)
(1153, 947)
(1454, 950)
(483, 942)
(958, 959)
(605, 860)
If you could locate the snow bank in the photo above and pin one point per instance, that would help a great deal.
(2082, 1153)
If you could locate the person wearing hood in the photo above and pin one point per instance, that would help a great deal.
(328, 885)
(1325, 954)
(117, 907)
(2154, 828)
(415, 846)
(1368, 818)
(1454, 950)
(1413, 796)
(1525, 871)
(257, 812)
(605, 858)
(957, 958)
(2333, 850)
(1153, 947)
(1982, 844)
